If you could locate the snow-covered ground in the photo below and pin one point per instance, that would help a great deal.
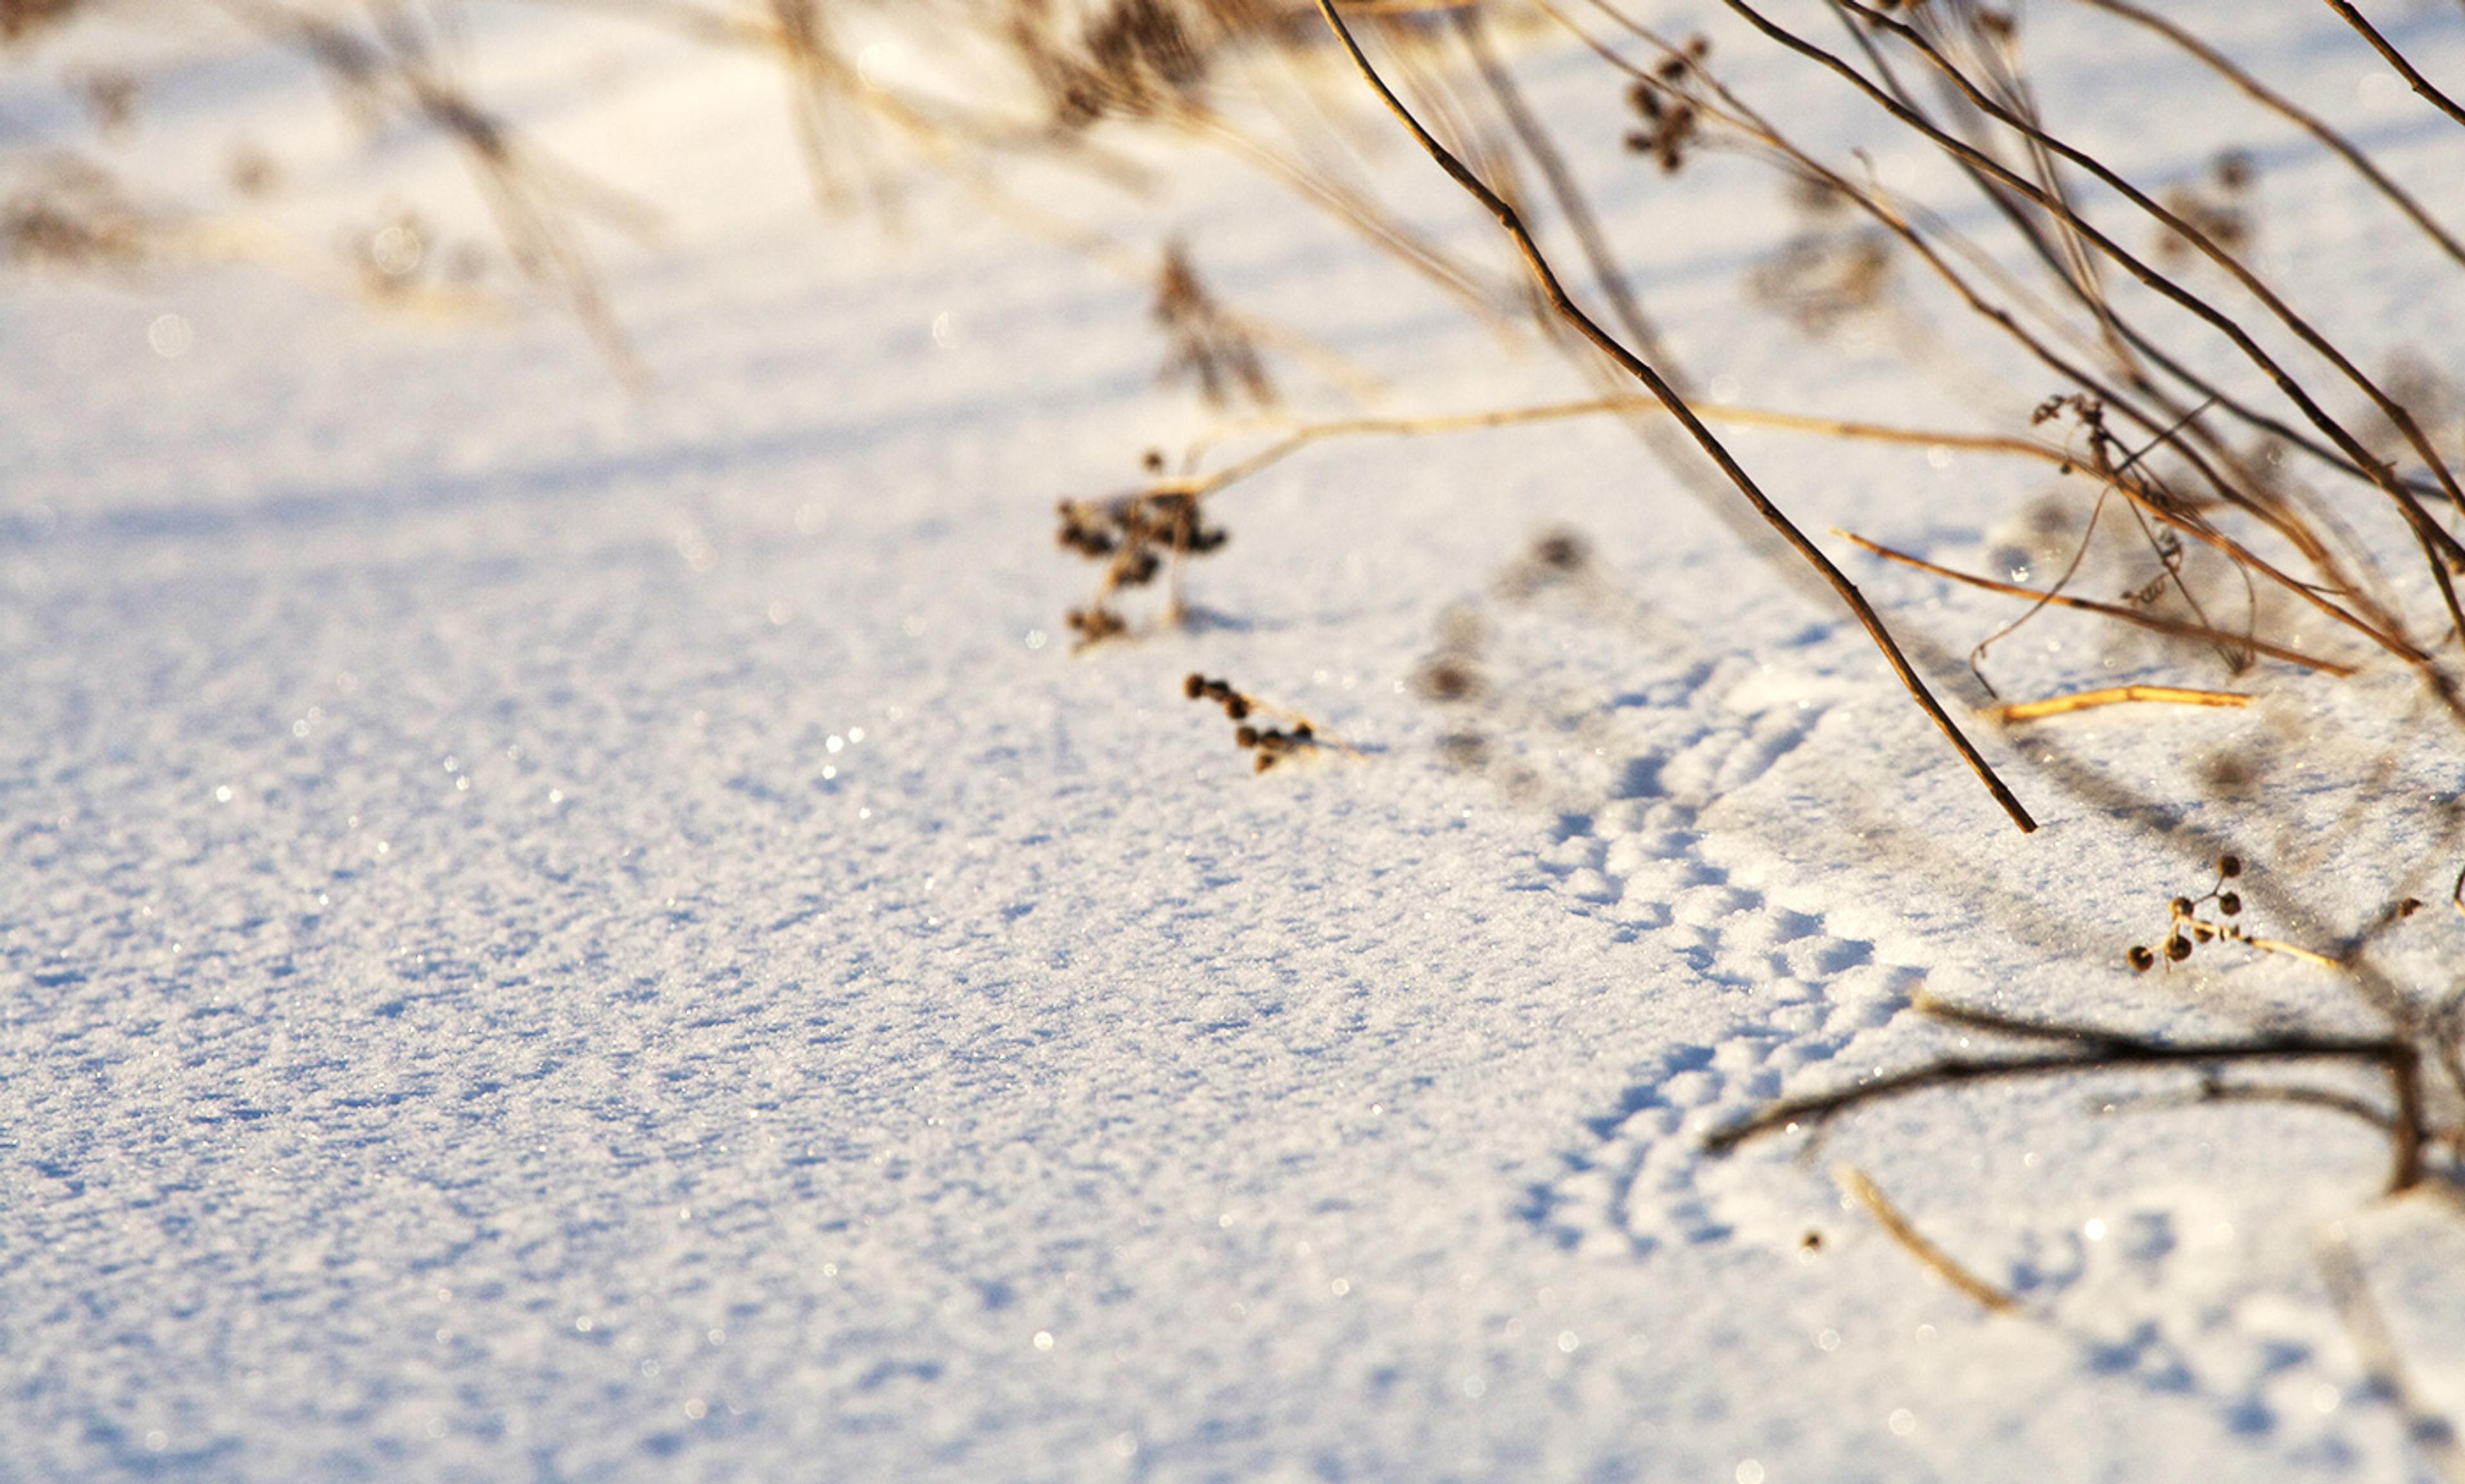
(558, 934)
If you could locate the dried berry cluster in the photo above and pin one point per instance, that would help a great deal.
(2186, 927)
(1135, 536)
(1671, 119)
(1270, 742)
(1094, 624)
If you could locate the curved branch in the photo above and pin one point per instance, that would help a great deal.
(2396, 60)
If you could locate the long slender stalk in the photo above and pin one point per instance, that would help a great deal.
(2397, 59)
(2173, 222)
(1570, 195)
(2437, 545)
(2380, 628)
(2293, 113)
(1590, 330)
(2128, 344)
(1298, 439)
(2097, 1050)
(2151, 622)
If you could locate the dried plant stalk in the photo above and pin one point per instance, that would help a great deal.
(2286, 108)
(2397, 59)
(2113, 696)
(2438, 546)
(1855, 1183)
(1590, 330)
(2090, 1049)
(2151, 622)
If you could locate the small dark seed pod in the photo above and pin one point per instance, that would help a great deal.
(1446, 680)
(1236, 706)
(1246, 736)
(2141, 960)
(2178, 947)
(1301, 732)
(2229, 866)
(1194, 685)
(1563, 551)
(2230, 904)
(2182, 906)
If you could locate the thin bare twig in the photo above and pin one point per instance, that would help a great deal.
(2352, 1107)
(1855, 1183)
(2097, 1050)
(2113, 696)
(2437, 545)
(2397, 59)
(1570, 195)
(1900, 220)
(1653, 380)
(2152, 622)
(2285, 108)
(1302, 437)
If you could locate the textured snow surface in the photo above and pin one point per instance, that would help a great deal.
(556, 935)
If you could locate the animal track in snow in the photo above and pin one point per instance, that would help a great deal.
(1630, 851)
(1633, 1181)
(2154, 1293)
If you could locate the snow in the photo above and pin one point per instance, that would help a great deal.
(560, 934)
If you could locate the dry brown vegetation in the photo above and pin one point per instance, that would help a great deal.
(2208, 512)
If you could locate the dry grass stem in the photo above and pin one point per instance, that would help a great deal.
(2111, 695)
(2137, 617)
(2089, 1049)
(1547, 280)
(2397, 59)
(2228, 475)
(1858, 1188)
(533, 197)
(1534, 136)
(1298, 439)
(2438, 546)
(2285, 108)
